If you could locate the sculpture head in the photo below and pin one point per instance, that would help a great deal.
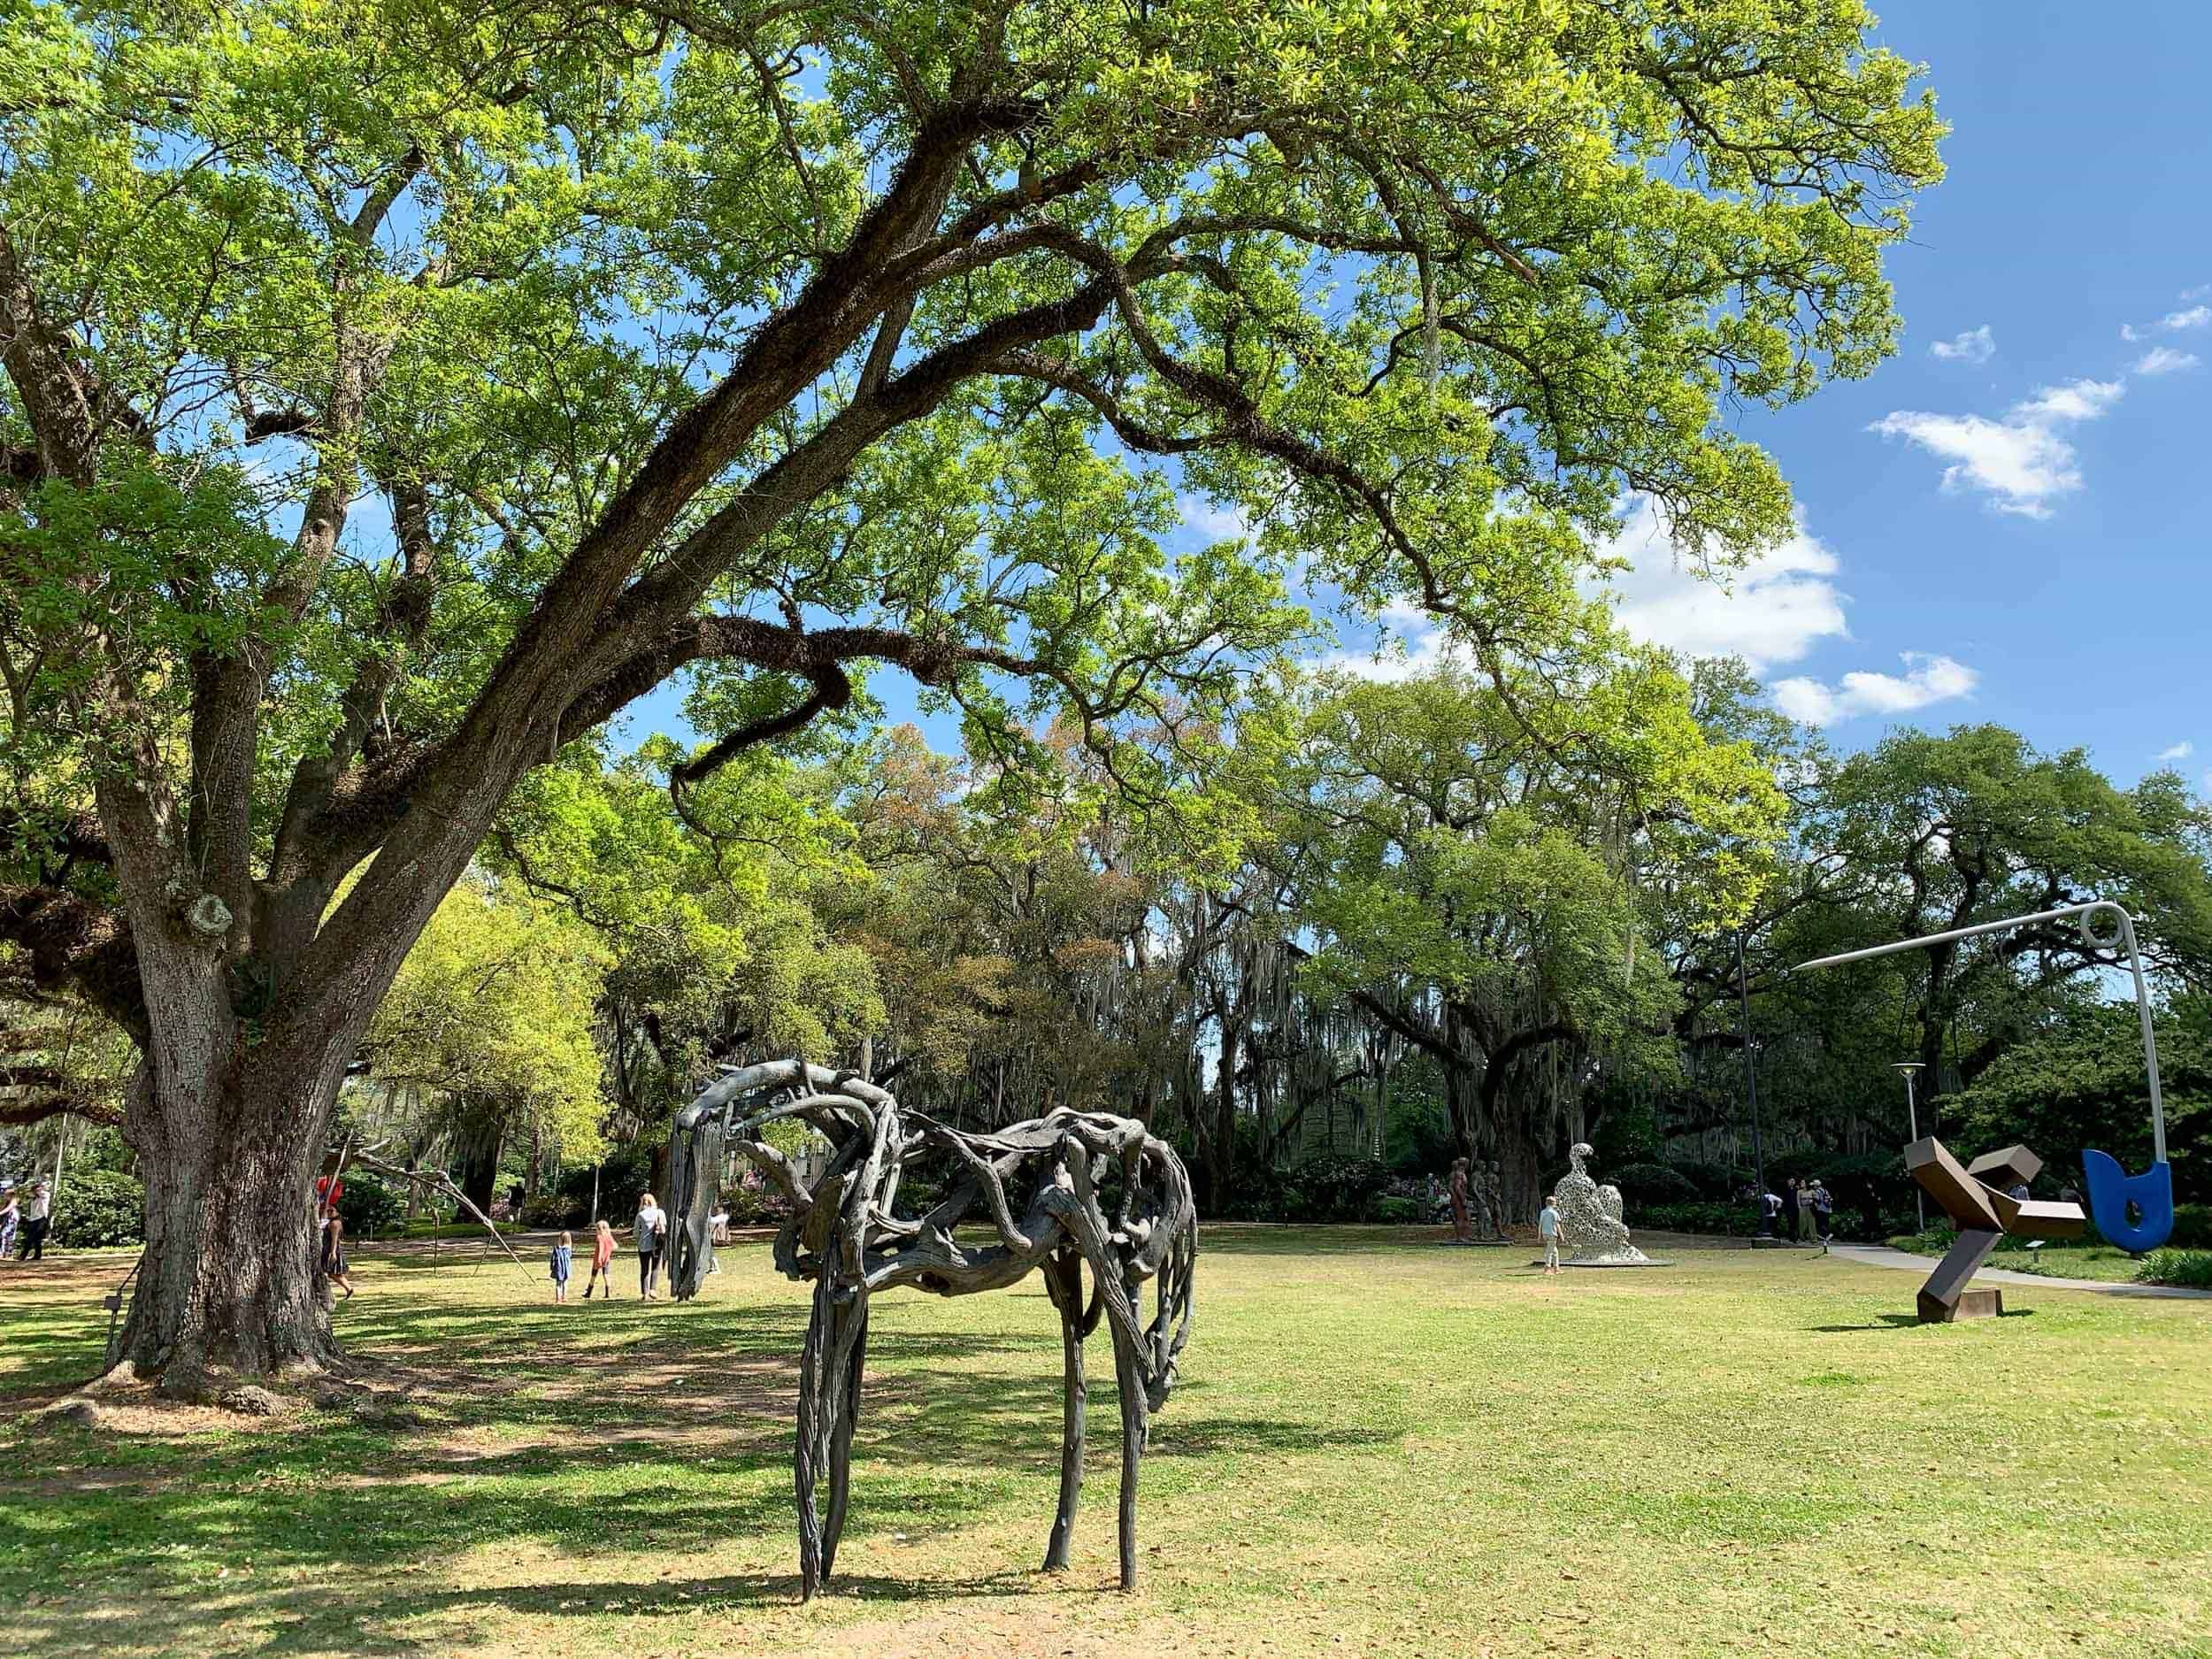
(1578, 1154)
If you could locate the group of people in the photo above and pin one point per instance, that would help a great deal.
(1807, 1207)
(650, 1234)
(31, 1217)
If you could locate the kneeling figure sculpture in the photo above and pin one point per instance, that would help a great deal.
(1095, 1190)
(1590, 1223)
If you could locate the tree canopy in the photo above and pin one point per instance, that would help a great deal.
(396, 393)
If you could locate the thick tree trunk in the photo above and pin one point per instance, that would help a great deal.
(228, 1153)
(1220, 1148)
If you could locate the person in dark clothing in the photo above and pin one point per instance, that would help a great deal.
(38, 1220)
(1823, 1211)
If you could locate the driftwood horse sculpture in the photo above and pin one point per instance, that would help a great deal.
(1093, 1190)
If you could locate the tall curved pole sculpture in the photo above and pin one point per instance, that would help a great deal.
(2112, 1190)
(1096, 1191)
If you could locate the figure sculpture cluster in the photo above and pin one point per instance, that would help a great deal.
(1058, 1193)
(1475, 1203)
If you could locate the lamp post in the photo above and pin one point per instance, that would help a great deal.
(1912, 1126)
(1750, 1070)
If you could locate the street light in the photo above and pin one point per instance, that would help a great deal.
(1750, 1070)
(1912, 1125)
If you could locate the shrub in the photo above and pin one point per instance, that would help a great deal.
(1337, 1188)
(1394, 1212)
(1698, 1215)
(370, 1206)
(753, 1203)
(98, 1207)
(1643, 1185)
(2189, 1268)
(623, 1178)
(1716, 1181)
(2192, 1227)
(550, 1209)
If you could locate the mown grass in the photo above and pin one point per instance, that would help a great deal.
(2081, 1258)
(1382, 1447)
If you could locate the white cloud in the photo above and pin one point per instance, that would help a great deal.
(2164, 360)
(1213, 524)
(1417, 644)
(1926, 679)
(1974, 345)
(2202, 291)
(2177, 751)
(2020, 460)
(1772, 611)
(2173, 322)
(2077, 400)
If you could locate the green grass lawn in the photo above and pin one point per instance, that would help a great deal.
(2081, 1258)
(1382, 1447)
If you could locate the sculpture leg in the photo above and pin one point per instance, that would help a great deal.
(1939, 1299)
(1064, 1275)
(1132, 1436)
(856, 1337)
(810, 1454)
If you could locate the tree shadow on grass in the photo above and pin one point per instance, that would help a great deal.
(1907, 1322)
(588, 1435)
(293, 1618)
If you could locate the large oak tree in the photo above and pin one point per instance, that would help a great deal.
(397, 390)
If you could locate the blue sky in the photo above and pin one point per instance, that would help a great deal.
(2058, 582)
(2008, 520)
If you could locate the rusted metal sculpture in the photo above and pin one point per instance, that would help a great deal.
(1095, 1190)
(1979, 1199)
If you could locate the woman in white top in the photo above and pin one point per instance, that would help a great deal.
(652, 1237)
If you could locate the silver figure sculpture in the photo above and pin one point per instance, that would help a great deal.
(1590, 1226)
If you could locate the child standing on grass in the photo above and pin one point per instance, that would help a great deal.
(1547, 1229)
(563, 1255)
(602, 1263)
(334, 1257)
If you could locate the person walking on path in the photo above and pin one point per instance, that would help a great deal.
(1547, 1229)
(1769, 1207)
(38, 1212)
(333, 1265)
(1823, 1211)
(1805, 1212)
(652, 1234)
(11, 1215)
(1462, 1223)
(602, 1263)
(562, 1260)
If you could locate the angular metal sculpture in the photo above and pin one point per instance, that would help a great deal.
(1590, 1225)
(2113, 1192)
(1095, 1190)
(1976, 1199)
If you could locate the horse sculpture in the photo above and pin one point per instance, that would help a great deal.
(1096, 1191)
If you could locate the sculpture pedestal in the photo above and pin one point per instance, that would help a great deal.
(1971, 1304)
(1638, 1260)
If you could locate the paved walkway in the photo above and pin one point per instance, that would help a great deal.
(1882, 1255)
